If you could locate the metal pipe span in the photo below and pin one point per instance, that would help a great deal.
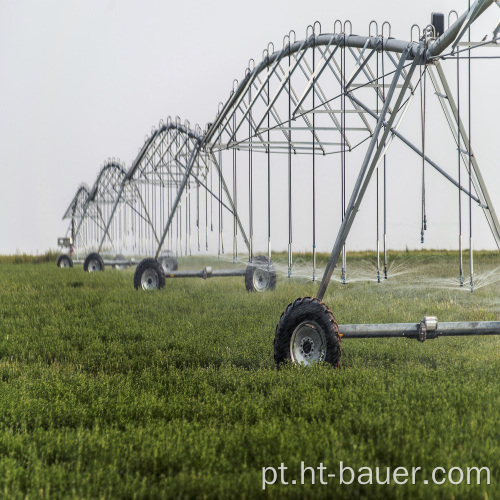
(411, 330)
(206, 273)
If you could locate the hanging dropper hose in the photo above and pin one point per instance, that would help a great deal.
(460, 249)
(470, 172)
(342, 154)
(422, 109)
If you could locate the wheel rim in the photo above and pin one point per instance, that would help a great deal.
(94, 265)
(166, 264)
(149, 279)
(64, 263)
(308, 343)
(260, 279)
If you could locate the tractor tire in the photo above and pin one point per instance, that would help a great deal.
(149, 275)
(93, 263)
(64, 260)
(259, 275)
(307, 332)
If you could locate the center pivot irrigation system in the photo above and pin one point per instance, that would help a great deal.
(311, 101)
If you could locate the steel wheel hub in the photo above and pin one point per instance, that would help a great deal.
(149, 279)
(166, 264)
(260, 279)
(308, 343)
(64, 263)
(94, 265)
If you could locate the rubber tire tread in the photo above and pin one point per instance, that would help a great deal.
(62, 257)
(148, 264)
(92, 256)
(307, 308)
(260, 260)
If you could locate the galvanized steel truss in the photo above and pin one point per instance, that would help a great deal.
(322, 96)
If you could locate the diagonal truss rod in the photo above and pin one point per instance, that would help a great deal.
(433, 164)
(263, 84)
(317, 73)
(477, 178)
(189, 167)
(207, 189)
(368, 167)
(231, 203)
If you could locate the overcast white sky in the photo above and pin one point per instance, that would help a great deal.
(82, 81)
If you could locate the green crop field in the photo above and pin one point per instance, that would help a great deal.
(109, 392)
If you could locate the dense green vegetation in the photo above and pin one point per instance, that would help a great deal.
(110, 392)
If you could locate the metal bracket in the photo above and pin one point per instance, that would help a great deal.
(427, 325)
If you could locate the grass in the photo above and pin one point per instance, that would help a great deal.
(106, 392)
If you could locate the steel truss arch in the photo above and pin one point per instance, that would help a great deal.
(320, 96)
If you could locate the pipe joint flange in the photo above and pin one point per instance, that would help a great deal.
(428, 328)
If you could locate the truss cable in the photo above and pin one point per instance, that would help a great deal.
(206, 203)
(178, 242)
(198, 212)
(268, 179)
(152, 196)
(170, 206)
(250, 177)
(168, 187)
(189, 225)
(313, 162)
(155, 202)
(377, 96)
(460, 249)
(470, 169)
(289, 167)
(221, 218)
(162, 196)
(211, 200)
(186, 219)
(140, 227)
(149, 206)
(235, 201)
(385, 170)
